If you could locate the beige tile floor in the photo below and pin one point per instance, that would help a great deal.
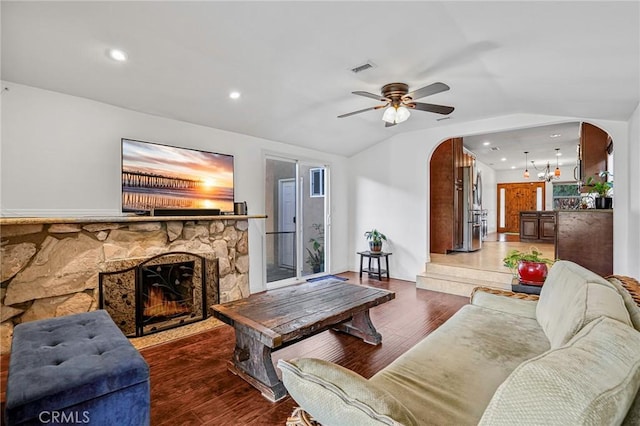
(489, 258)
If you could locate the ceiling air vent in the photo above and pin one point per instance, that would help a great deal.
(495, 148)
(367, 65)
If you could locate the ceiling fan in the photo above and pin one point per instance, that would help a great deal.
(399, 100)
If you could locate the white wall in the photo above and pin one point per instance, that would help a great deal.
(60, 156)
(633, 166)
(489, 195)
(390, 189)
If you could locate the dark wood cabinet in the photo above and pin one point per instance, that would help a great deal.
(547, 227)
(593, 151)
(538, 226)
(586, 238)
(528, 226)
(446, 199)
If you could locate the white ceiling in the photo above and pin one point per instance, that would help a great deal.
(291, 61)
(506, 149)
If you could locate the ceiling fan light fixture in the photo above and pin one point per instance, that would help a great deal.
(402, 113)
(389, 115)
(395, 114)
(398, 101)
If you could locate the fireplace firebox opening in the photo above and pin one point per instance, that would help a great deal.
(163, 292)
(167, 295)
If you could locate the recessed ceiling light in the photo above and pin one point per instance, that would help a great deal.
(503, 159)
(513, 167)
(234, 95)
(486, 143)
(117, 55)
(555, 135)
(558, 154)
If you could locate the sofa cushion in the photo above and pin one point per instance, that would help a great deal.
(592, 380)
(451, 375)
(334, 395)
(573, 296)
(509, 305)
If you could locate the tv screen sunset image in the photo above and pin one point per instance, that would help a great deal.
(160, 176)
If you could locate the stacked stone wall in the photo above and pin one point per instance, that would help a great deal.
(50, 270)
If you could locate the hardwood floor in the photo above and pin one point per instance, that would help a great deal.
(190, 383)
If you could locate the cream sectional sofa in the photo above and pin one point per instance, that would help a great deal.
(570, 358)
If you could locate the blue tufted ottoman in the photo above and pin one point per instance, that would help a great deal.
(76, 369)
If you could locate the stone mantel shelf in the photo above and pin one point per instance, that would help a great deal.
(117, 219)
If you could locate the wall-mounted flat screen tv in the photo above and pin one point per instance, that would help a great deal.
(156, 176)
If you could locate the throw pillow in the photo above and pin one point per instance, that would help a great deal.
(334, 395)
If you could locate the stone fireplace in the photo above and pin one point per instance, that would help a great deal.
(52, 267)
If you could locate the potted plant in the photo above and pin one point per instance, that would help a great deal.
(602, 188)
(528, 266)
(315, 253)
(375, 238)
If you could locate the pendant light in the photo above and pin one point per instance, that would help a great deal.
(545, 173)
(557, 171)
(526, 170)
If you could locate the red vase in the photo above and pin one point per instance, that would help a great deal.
(532, 273)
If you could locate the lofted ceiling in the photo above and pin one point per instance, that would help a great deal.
(291, 61)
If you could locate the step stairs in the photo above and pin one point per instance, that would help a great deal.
(460, 280)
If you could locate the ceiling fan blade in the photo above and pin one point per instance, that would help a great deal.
(431, 89)
(438, 109)
(362, 110)
(387, 124)
(371, 95)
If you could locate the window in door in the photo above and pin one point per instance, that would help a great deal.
(316, 182)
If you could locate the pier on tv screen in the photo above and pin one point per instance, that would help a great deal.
(156, 176)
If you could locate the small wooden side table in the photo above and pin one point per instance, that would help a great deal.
(378, 255)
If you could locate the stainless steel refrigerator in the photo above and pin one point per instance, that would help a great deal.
(471, 211)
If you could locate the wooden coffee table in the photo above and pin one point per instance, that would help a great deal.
(268, 321)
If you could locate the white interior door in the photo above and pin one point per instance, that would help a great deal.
(287, 222)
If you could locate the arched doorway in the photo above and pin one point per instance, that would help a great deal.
(586, 151)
